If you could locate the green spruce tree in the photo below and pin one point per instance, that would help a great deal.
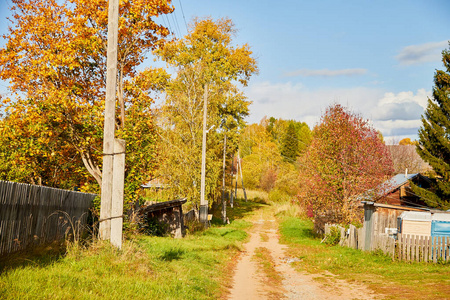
(290, 147)
(434, 143)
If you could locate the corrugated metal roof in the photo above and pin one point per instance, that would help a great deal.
(400, 179)
(387, 187)
(163, 205)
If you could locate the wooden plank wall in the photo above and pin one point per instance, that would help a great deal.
(32, 215)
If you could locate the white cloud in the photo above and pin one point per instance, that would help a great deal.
(416, 54)
(399, 115)
(294, 101)
(398, 128)
(394, 114)
(326, 73)
(401, 106)
(405, 97)
(403, 111)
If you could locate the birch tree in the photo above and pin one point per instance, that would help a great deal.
(206, 63)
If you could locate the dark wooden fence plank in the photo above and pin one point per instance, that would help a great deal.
(31, 214)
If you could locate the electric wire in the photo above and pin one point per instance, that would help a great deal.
(409, 202)
(175, 22)
(170, 27)
(164, 22)
(182, 12)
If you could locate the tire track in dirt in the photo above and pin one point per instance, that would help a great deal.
(249, 281)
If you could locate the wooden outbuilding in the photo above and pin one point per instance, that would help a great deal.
(169, 213)
(382, 219)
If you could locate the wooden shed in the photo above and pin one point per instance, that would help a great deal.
(381, 219)
(169, 212)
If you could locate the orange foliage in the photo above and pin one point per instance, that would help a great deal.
(55, 62)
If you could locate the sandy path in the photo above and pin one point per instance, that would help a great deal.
(249, 280)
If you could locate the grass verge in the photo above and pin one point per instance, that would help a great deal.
(198, 266)
(396, 280)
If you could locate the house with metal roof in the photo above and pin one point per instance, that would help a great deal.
(397, 191)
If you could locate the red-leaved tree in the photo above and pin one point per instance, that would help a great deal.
(345, 160)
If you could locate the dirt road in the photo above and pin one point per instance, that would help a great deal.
(253, 281)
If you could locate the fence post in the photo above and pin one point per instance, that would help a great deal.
(434, 248)
(405, 247)
(361, 238)
(447, 249)
(342, 239)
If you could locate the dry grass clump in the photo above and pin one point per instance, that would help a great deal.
(289, 209)
(253, 195)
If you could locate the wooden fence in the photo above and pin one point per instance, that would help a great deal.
(352, 237)
(423, 248)
(405, 248)
(32, 215)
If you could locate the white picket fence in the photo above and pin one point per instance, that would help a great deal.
(423, 248)
(405, 248)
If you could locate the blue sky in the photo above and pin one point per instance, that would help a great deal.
(376, 57)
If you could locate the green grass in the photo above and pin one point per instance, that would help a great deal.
(240, 211)
(397, 280)
(195, 267)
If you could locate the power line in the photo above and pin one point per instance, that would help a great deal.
(402, 200)
(330, 157)
(182, 12)
(175, 21)
(170, 27)
(428, 200)
(8, 3)
(164, 22)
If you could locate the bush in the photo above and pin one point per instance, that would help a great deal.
(268, 179)
(151, 226)
(277, 195)
(193, 226)
(333, 237)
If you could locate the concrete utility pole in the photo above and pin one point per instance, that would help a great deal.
(224, 202)
(203, 201)
(107, 205)
(242, 178)
(231, 187)
(117, 193)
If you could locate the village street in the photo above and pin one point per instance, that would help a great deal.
(251, 281)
